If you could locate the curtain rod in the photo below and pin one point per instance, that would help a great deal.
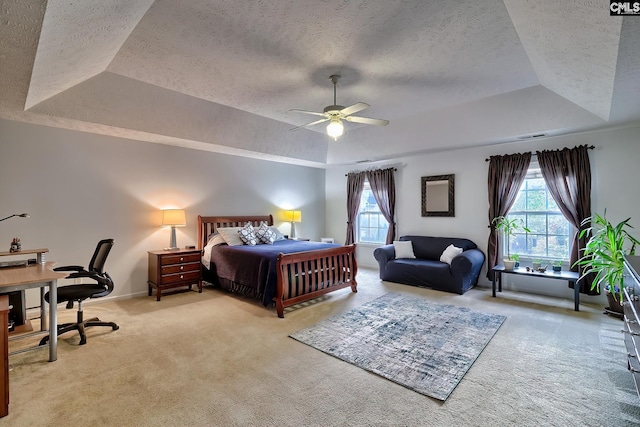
(590, 147)
(394, 169)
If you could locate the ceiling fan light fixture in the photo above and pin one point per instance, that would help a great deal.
(335, 129)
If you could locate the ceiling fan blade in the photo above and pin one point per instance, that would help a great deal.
(367, 120)
(310, 124)
(354, 108)
(308, 112)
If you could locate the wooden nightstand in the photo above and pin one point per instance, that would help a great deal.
(174, 269)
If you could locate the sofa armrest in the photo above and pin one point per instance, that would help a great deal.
(467, 261)
(385, 253)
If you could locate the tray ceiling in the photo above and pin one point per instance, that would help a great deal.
(222, 75)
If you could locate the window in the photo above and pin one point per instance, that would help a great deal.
(551, 233)
(371, 226)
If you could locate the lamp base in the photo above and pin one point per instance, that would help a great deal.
(172, 243)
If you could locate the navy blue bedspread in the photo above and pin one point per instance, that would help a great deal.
(254, 267)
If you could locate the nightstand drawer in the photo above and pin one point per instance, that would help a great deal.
(178, 259)
(180, 268)
(191, 276)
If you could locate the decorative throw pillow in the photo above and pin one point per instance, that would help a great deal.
(450, 253)
(404, 249)
(230, 235)
(248, 235)
(265, 234)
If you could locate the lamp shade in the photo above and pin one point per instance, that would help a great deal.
(294, 216)
(174, 217)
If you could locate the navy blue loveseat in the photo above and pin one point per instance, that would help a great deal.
(427, 269)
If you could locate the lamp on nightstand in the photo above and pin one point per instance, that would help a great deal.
(293, 217)
(173, 218)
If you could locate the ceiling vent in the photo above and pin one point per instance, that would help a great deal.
(532, 136)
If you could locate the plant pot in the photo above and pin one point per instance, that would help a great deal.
(509, 264)
(536, 266)
(557, 268)
(614, 302)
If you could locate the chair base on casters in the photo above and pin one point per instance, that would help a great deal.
(80, 326)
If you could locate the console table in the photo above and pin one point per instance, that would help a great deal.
(569, 276)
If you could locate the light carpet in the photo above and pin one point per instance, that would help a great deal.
(423, 346)
(215, 359)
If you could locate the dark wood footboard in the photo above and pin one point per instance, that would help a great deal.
(306, 275)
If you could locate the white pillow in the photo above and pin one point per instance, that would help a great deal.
(248, 235)
(265, 234)
(230, 235)
(450, 253)
(404, 249)
(279, 235)
(216, 240)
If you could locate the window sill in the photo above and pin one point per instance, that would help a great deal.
(370, 244)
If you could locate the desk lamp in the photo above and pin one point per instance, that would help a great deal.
(22, 215)
(173, 218)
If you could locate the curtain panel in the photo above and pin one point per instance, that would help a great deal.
(355, 184)
(383, 187)
(506, 175)
(567, 173)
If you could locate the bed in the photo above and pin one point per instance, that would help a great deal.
(286, 272)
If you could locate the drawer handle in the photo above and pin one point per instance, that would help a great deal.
(182, 276)
(182, 267)
(181, 259)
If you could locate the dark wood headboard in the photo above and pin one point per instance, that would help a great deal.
(209, 224)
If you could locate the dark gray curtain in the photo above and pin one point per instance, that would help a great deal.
(506, 175)
(355, 184)
(567, 173)
(383, 187)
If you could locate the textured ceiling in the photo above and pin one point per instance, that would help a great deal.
(222, 75)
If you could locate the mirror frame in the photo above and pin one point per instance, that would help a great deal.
(451, 184)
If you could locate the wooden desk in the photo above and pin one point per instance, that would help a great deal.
(569, 276)
(36, 276)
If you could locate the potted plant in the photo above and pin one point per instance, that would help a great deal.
(509, 227)
(603, 256)
(536, 263)
(516, 258)
(557, 265)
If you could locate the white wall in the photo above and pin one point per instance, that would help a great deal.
(615, 174)
(80, 188)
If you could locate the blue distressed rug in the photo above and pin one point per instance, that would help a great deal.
(424, 346)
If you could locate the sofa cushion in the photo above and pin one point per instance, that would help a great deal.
(427, 247)
(419, 272)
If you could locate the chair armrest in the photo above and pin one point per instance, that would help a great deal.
(69, 268)
(384, 253)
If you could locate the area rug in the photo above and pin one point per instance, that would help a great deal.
(424, 346)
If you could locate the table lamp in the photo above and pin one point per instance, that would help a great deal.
(293, 217)
(173, 218)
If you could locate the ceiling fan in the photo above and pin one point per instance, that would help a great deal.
(334, 114)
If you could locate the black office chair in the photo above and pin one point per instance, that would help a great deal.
(79, 293)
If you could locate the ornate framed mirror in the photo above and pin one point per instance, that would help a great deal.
(438, 195)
